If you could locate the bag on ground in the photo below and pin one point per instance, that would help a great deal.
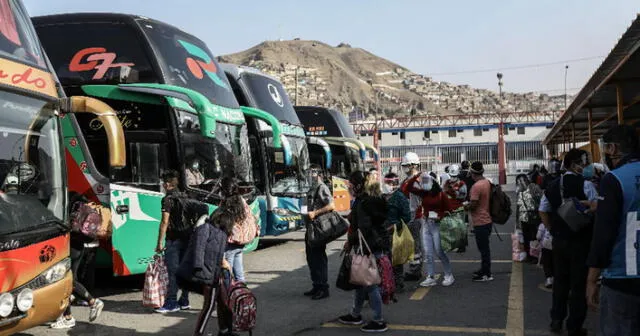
(516, 253)
(500, 205)
(364, 269)
(387, 280)
(342, 282)
(402, 246)
(241, 303)
(156, 280)
(453, 231)
(86, 219)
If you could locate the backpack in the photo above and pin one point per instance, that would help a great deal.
(387, 283)
(242, 305)
(245, 232)
(85, 219)
(190, 211)
(499, 205)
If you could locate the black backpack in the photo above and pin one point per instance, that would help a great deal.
(500, 205)
(190, 211)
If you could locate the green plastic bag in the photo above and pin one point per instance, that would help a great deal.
(453, 231)
(402, 246)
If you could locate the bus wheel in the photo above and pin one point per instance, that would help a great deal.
(251, 246)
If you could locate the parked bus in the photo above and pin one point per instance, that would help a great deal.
(283, 189)
(35, 277)
(178, 112)
(348, 153)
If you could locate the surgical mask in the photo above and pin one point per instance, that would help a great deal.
(407, 170)
(427, 186)
(522, 185)
(588, 171)
(195, 165)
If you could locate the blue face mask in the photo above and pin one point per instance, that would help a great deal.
(588, 171)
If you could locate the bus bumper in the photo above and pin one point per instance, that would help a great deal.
(48, 304)
(282, 224)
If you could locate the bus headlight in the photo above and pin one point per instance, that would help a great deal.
(281, 211)
(6, 304)
(24, 301)
(56, 272)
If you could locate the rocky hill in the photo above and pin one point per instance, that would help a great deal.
(353, 79)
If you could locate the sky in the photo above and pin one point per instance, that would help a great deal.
(436, 38)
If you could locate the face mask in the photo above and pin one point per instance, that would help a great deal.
(522, 185)
(453, 179)
(588, 171)
(195, 165)
(427, 186)
(407, 170)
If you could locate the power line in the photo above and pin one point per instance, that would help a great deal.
(529, 66)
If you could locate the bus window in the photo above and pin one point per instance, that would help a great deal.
(17, 39)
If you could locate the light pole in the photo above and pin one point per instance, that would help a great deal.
(502, 174)
(499, 75)
(566, 69)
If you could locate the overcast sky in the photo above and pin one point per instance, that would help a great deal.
(431, 37)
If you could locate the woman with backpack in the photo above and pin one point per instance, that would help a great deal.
(368, 216)
(435, 205)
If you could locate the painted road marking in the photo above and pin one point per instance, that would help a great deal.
(515, 313)
(428, 328)
(478, 261)
(420, 293)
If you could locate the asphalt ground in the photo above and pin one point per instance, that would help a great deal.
(515, 303)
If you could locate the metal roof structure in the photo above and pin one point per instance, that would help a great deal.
(609, 98)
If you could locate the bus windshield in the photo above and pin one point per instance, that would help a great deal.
(269, 95)
(225, 155)
(187, 62)
(32, 189)
(346, 160)
(289, 181)
(18, 40)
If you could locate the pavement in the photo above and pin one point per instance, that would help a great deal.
(515, 303)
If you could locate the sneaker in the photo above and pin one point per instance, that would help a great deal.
(215, 313)
(448, 280)
(322, 294)
(169, 307)
(549, 282)
(63, 323)
(428, 282)
(311, 292)
(482, 278)
(184, 304)
(350, 319)
(374, 326)
(95, 310)
(477, 273)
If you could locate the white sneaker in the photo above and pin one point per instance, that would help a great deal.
(63, 323)
(95, 310)
(448, 280)
(549, 282)
(428, 282)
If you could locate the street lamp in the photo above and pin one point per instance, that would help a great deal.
(499, 75)
(566, 69)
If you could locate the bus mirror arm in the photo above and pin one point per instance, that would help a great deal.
(325, 146)
(279, 139)
(112, 125)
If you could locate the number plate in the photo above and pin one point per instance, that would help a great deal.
(292, 225)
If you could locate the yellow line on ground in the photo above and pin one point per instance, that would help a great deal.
(430, 328)
(478, 261)
(515, 313)
(420, 293)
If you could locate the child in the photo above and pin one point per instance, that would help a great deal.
(545, 239)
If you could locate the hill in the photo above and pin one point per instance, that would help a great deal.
(353, 79)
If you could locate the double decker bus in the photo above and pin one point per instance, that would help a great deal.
(35, 276)
(283, 189)
(348, 153)
(177, 110)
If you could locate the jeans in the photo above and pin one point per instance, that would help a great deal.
(482, 233)
(619, 313)
(415, 266)
(173, 254)
(234, 258)
(432, 246)
(375, 299)
(318, 266)
(570, 281)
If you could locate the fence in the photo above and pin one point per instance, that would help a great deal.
(520, 157)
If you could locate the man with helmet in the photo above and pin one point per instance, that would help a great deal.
(410, 165)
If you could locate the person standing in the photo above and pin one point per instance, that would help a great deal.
(465, 175)
(614, 249)
(570, 248)
(398, 211)
(546, 254)
(320, 201)
(479, 210)
(175, 234)
(528, 202)
(410, 164)
(553, 173)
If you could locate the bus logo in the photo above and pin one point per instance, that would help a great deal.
(96, 58)
(275, 94)
(202, 64)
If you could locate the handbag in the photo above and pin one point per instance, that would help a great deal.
(569, 213)
(325, 229)
(344, 273)
(364, 268)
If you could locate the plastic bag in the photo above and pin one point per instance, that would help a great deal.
(156, 280)
(535, 249)
(453, 231)
(402, 249)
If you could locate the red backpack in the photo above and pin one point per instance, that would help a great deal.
(85, 219)
(242, 305)
(388, 283)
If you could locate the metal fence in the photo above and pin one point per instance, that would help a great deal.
(520, 157)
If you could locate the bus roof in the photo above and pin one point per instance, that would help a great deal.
(323, 121)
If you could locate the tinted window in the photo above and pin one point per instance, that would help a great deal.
(324, 122)
(187, 62)
(269, 95)
(96, 53)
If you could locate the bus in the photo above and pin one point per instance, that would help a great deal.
(177, 110)
(348, 153)
(35, 276)
(283, 189)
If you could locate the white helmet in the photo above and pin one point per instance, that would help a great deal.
(410, 158)
(454, 170)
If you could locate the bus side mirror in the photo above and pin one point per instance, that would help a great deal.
(112, 125)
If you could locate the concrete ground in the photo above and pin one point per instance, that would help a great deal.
(514, 304)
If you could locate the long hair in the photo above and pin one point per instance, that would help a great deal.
(372, 186)
(231, 208)
(358, 180)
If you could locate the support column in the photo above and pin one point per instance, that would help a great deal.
(573, 133)
(377, 147)
(502, 173)
(590, 127)
(620, 104)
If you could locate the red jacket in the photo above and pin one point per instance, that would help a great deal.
(438, 203)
